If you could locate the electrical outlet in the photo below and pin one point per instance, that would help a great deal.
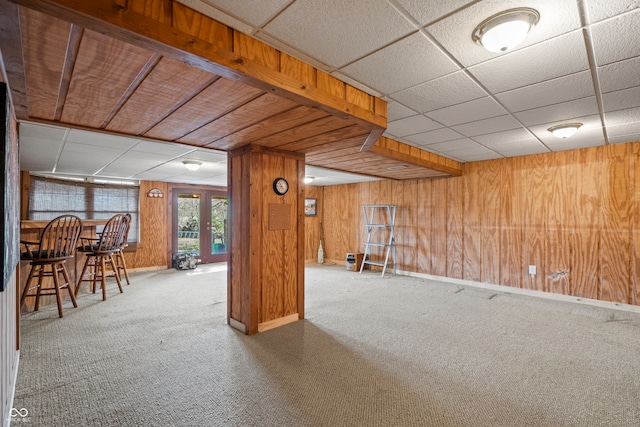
(532, 269)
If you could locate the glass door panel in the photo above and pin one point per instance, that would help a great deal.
(200, 224)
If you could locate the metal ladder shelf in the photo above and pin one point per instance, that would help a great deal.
(386, 213)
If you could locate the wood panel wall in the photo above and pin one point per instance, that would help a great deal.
(572, 214)
(155, 229)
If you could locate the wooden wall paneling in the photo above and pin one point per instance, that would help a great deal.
(381, 194)
(586, 249)
(510, 226)
(400, 228)
(312, 224)
(635, 222)
(155, 229)
(534, 172)
(238, 297)
(455, 227)
(293, 238)
(410, 225)
(363, 191)
(472, 224)
(490, 237)
(424, 225)
(439, 212)
(615, 238)
(273, 244)
(44, 60)
(560, 223)
(200, 26)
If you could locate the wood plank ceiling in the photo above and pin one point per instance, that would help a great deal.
(78, 77)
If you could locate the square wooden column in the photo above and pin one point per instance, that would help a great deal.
(266, 251)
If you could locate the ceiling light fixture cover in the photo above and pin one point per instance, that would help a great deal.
(505, 30)
(564, 130)
(308, 179)
(192, 165)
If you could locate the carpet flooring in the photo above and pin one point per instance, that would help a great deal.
(393, 351)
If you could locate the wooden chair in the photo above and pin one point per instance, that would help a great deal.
(100, 253)
(121, 263)
(48, 258)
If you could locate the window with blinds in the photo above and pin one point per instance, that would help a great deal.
(49, 198)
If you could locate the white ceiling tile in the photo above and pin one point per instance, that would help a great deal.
(563, 111)
(101, 139)
(421, 61)
(620, 118)
(554, 58)
(397, 111)
(492, 125)
(621, 99)
(473, 152)
(454, 32)
(471, 111)
(563, 89)
(616, 39)
(42, 132)
(449, 90)
(166, 149)
(433, 137)
(424, 15)
(38, 154)
(619, 75)
(498, 139)
(455, 145)
(348, 30)
(624, 138)
(411, 125)
(602, 9)
(626, 129)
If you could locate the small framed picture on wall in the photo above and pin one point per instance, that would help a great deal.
(310, 207)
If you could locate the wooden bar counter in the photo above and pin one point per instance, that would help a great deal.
(30, 230)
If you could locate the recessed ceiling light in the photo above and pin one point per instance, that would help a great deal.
(395, 168)
(192, 165)
(564, 130)
(505, 30)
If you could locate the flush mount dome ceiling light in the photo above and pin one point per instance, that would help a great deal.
(505, 30)
(564, 130)
(192, 165)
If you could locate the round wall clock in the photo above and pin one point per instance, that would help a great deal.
(280, 186)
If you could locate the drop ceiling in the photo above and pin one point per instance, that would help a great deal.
(446, 94)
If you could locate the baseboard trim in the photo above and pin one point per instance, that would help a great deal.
(529, 292)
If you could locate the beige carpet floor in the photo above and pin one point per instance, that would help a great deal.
(393, 351)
